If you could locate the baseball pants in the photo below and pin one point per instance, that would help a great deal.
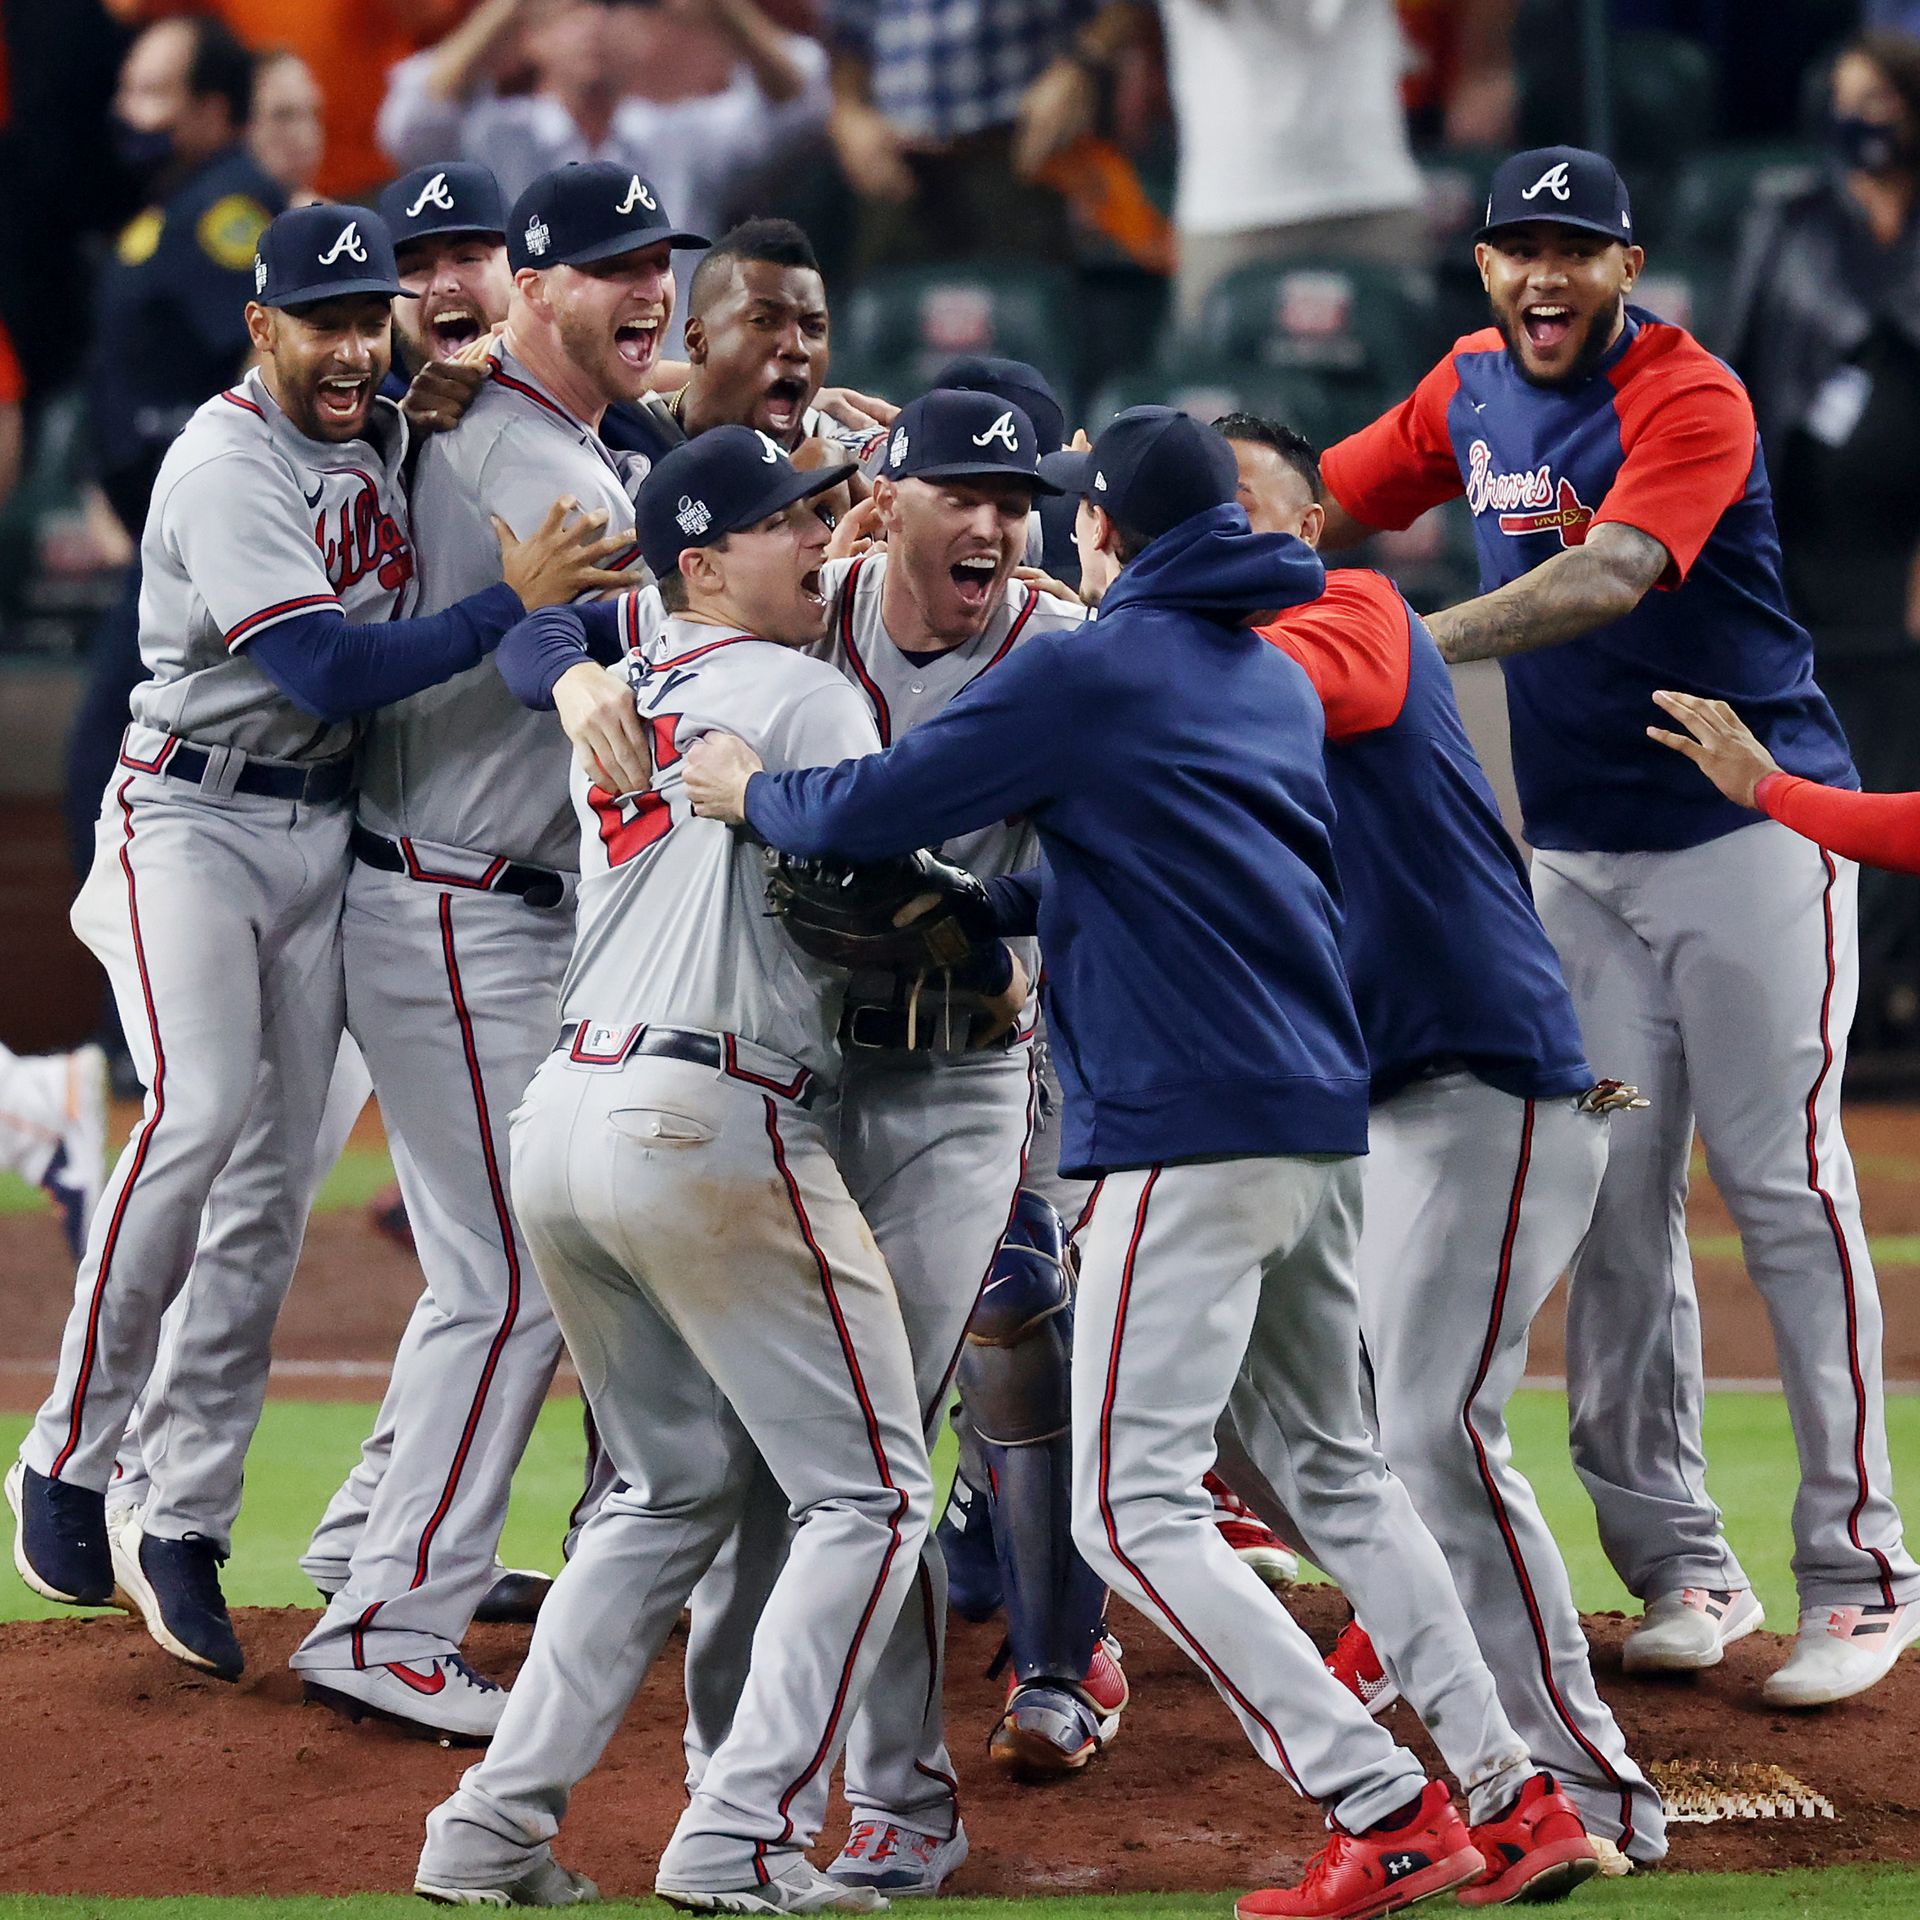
(37, 1094)
(1721, 980)
(453, 996)
(721, 1297)
(933, 1154)
(1233, 1279)
(1475, 1202)
(217, 918)
(184, 1455)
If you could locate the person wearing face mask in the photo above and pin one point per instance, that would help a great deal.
(1825, 329)
(169, 325)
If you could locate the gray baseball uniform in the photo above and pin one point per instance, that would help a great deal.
(720, 1293)
(215, 911)
(456, 933)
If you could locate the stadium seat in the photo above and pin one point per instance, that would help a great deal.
(913, 320)
(1685, 286)
(1714, 190)
(1209, 388)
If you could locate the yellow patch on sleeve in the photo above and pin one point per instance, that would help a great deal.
(230, 230)
(139, 237)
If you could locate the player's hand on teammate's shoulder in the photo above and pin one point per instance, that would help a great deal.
(852, 408)
(562, 558)
(440, 394)
(857, 531)
(1718, 742)
(716, 770)
(597, 712)
(1045, 582)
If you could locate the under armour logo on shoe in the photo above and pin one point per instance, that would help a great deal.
(1002, 430)
(434, 194)
(348, 243)
(1553, 181)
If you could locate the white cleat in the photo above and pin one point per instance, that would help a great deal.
(898, 1861)
(441, 1699)
(1686, 1631)
(1841, 1651)
(548, 1884)
(803, 1888)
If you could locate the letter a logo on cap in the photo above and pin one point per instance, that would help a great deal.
(1002, 430)
(1553, 181)
(772, 446)
(348, 243)
(637, 196)
(434, 194)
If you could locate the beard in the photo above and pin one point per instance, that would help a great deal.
(1593, 347)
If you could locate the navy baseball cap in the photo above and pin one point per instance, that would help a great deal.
(952, 435)
(715, 484)
(323, 253)
(1567, 185)
(1012, 380)
(576, 214)
(1151, 468)
(458, 197)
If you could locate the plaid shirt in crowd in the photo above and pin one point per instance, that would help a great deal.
(942, 68)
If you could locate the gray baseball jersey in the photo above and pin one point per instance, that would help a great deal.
(253, 523)
(464, 764)
(713, 958)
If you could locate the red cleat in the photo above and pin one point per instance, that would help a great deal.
(1538, 1851)
(1250, 1537)
(1357, 1667)
(1106, 1687)
(1358, 1876)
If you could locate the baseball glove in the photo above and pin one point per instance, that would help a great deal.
(915, 915)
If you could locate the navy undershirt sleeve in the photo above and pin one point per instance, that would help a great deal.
(1016, 902)
(547, 643)
(333, 670)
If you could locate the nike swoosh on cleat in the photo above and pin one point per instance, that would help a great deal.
(420, 1683)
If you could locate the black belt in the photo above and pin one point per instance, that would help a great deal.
(716, 1050)
(316, 785)
(537, 886)
(872, 1028)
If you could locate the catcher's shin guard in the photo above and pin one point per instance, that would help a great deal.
(1014, 1393)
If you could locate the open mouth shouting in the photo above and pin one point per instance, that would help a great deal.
(782, 405)
(637, 342)
(973, 579)
(1548, 324)
(811, 590)
(451, 328)
(341, 399)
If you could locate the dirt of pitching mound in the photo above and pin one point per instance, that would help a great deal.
(125, 1774)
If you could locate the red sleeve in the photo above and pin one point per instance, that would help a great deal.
(1688, 436)
(1355, 646)
(1388, 474)
(1877, 829)
(13, 386)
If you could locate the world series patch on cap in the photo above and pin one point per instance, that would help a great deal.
(454, 197)
(324, 252)
(1569, 186)
(573, 215)
(715, 484)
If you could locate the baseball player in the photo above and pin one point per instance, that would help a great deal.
(718, 1287)
(278, 531)
(53, 1130)
(1215, 1078)
(456, 931)
(1486, 1139)
(1627, 544)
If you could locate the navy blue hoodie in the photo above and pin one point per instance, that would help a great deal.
(1170, 760)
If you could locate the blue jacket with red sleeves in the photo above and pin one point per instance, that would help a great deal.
(1660, 437)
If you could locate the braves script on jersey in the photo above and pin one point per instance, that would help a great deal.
(1662, 439)
(464, 764)
(253, 523)
(713, 958)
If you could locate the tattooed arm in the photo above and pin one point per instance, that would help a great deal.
(1571, 594)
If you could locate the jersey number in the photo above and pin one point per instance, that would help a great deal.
(631, 825)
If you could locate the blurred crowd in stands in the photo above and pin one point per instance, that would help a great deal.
(1260, 204)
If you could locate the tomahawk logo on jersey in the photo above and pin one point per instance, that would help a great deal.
(1661, 438)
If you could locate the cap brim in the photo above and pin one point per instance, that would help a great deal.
(979, 470)
(402, 237)
(635, 241)
(796, 484)
(332, 290)
(1623, 235)
(1068, 471)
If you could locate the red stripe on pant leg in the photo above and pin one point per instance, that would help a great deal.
(1146, 1586)
(89, 1353)
(1515, 1558)
(1885, 1572)
(879, 1451)
(931, 1411)
(503, 1219)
